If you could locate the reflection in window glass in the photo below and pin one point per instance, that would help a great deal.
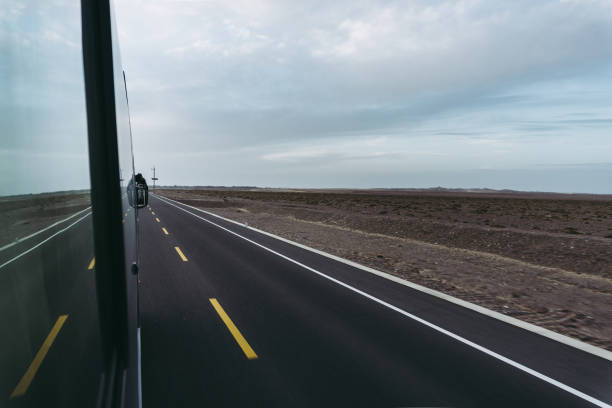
(50, 346)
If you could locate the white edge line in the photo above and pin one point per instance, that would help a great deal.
(416, 318)
(42, 242)
(20, 240)
(138, 345)
(589, 348)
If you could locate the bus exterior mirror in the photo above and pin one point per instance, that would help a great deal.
(142, 196)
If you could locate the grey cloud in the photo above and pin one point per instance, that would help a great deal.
(42, 111)
(447, 86)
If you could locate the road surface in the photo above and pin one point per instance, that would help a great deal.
(325, 333)
(233, 317)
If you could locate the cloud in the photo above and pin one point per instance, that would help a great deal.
(448, 83)
(365, 148)
(293, 92)
(42, 112)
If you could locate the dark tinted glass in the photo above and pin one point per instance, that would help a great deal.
(50, 343)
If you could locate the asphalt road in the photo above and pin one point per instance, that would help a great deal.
(325, 333)
(232, 317)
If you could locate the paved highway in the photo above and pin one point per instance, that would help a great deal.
(233, 317)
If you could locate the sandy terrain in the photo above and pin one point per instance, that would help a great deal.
(542, 258)
(23, 215)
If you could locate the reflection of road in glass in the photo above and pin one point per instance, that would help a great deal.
(50, 347)
(48, 302)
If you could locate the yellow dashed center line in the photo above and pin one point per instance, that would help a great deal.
(156, 219)
(183, 257)
(153, 212)
(165, 230)
(244, 345)
(27, 378)
(92, 263)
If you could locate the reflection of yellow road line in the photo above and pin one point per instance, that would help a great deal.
(27, 378)
(165, 231)
(248, 351)
(92, 263)
(183, 257)
(156, 219)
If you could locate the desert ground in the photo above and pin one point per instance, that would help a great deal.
(539, 257)
(25, 214)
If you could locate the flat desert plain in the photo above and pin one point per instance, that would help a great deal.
(539, 257)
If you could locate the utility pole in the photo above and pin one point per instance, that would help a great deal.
(154, 178)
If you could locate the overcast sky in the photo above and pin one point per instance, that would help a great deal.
(499, 94)
(503, 94)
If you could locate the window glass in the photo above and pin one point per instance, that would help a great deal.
(50, 342)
